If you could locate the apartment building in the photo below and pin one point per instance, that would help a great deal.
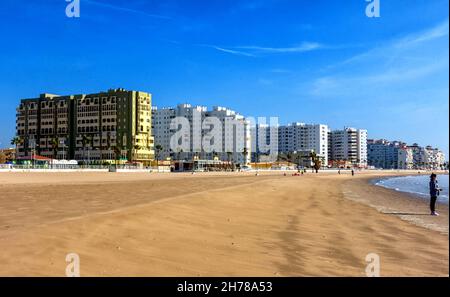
(398, 155)
(161, 130)
(166, 122)
(434, 158)
(427, 157)
(301, 137)
(386, 154)
(405, 158)
(264, 139)
(100, 127)
(236, 134)
(349, 145)
(218, 133)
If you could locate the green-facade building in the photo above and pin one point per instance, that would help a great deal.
(94, 128)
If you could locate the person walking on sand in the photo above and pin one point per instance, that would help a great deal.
(434, 193)
(353, 172)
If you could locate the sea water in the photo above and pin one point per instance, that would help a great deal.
(417, 185)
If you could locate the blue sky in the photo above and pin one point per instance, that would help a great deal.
(310, 61)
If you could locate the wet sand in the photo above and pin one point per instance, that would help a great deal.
(235, 224)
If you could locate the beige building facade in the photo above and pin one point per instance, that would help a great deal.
(96, 128)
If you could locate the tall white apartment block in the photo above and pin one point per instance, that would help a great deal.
(434, 158)
(264, 139)
(234, 134)
(349, 145)
(161, 119)
(362, 147)
(301, 137)
(164, 130)
(405, 158)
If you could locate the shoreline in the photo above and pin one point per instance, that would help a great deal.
(404, 205)
(413, 194)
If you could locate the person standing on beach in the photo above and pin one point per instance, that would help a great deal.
(353, 172)
(434, 192)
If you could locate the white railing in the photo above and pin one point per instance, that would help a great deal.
(67, 167)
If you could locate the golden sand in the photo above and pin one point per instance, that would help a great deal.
(236, 224)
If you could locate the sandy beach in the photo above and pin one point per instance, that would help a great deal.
(221, 224)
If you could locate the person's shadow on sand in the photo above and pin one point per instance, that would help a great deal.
(406, 213)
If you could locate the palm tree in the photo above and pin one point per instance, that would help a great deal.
(229, 157)
(257, 158)
(299, 159)
(91, 145)
(136, 147)
(16, 141)
(108, 143)
(158, 149)
(64, 142)
(179, 151)
(171, 154)
(54, 144)
(215, 154)
(245, 152)
(84, 142)
(316, 160)
(289, 156)
(117, 153)
(195, 158)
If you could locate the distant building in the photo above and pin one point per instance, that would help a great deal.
(236, 141)
(397, 155)
(427, 157)
(162, 130)
(386, 154)
(95, 127)
(304, 138)
(264, 139)
(405, 158)
(231, 143)
(349, 145)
